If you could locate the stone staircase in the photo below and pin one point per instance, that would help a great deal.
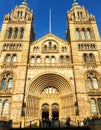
(62, 128)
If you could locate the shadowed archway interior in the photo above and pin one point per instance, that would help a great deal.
(49, 79)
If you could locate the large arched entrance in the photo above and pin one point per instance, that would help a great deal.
(50, 95)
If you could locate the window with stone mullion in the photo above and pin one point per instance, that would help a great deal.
(93, 106)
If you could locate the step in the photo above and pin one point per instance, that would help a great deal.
(62, 128)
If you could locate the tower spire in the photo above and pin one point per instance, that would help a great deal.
(50, 21)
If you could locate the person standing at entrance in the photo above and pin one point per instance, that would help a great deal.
(68, 119)
(39, 123)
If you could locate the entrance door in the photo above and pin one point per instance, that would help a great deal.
(55, 115)
(45, 111)
(45, 115)
(55, 111)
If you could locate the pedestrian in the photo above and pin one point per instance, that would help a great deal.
(68, 119)
(39, 123)
(44, 122)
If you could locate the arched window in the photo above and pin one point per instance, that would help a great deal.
(85, 57)
(91, 57)
(16, 33)
(50, 45)
(21, 13)
(45, 106)
(54, 47)
(47, 59)
(38, 59)
(53, 59)
(55, 106)
(10, 33)
(74, 15)
(25, 15)
(4, 47)
(80, 14)
(22, 33)
(62, 49)
(18, 14)
(77, 34)
(37, 49)
(5, 108)
(8, 58)
(7, 81)
(67, 59)
(65, 49)
(61, 59)
(89, 83)
(10, 83)
(50, 90)
(93, 106)
(3, 84)
(32, 59)
(99, 105)
(83, 34)
(92, 81)
(45, 47)
(95, 83)
(14, 58)
(34, 49)
(88, 33)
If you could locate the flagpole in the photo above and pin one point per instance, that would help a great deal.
(50, 26)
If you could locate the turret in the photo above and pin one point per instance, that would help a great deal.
(82, 24)
(16, 24)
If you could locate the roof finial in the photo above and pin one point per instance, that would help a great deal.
(75, 4)
(24, 3)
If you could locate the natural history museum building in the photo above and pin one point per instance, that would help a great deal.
(49, 76)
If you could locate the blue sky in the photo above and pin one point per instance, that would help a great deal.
(59, 10)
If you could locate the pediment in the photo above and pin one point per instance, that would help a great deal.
(50, 37)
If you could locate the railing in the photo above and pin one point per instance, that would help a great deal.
(50, 50)
(46, 124)
(10, 64)
(89, 64)
(50, 64)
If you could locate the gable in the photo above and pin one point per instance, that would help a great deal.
(52, 42)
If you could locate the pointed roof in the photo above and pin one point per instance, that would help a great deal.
(24, 4)
(75, 4)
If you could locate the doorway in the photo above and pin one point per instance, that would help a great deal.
(55, 115)
(45, 115)
(55, 111)
(45, 111)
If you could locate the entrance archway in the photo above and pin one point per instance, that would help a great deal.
(52, 91)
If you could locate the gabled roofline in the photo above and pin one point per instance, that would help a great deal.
(50, 35)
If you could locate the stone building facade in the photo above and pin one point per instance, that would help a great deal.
(49, 76)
